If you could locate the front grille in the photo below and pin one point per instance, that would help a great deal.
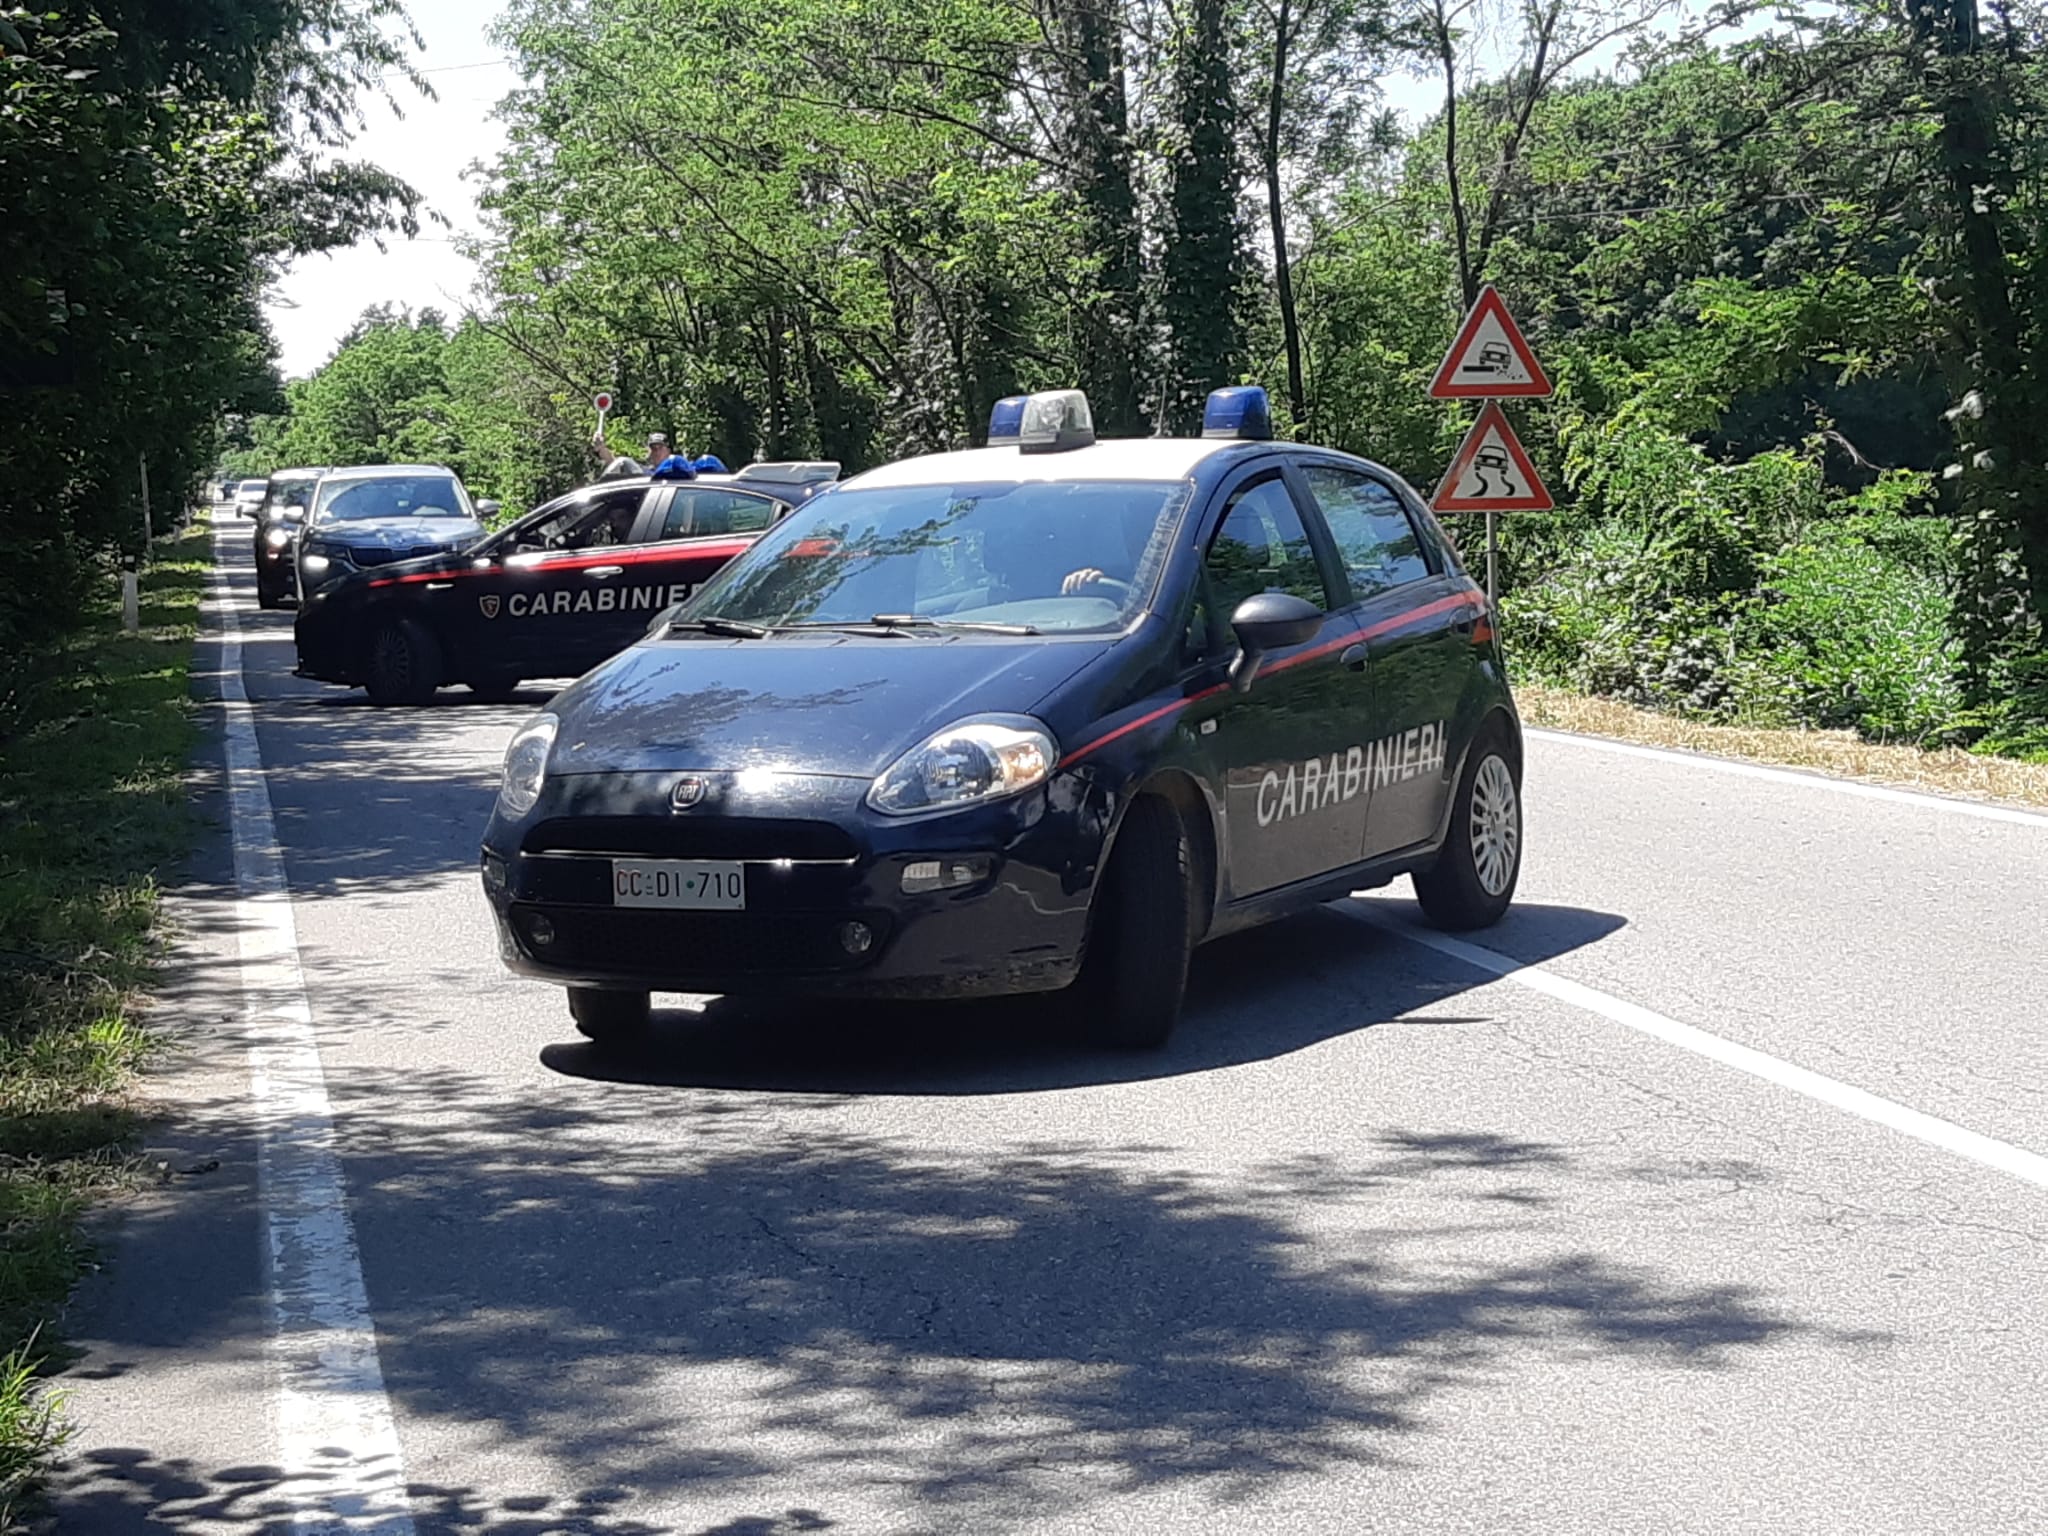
(689, 836)
(686, 945)
(381, 556)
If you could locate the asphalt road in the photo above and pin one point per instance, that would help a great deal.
(1637, 1225)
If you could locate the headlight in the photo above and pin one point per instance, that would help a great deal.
(526, 765)
(980, 759)
(277, 538)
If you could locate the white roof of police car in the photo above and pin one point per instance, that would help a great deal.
(1123, 458)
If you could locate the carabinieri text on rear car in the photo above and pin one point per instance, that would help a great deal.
(1038, 715)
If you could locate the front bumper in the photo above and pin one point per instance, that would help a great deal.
(815, 860)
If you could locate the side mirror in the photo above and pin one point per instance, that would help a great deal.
(291, 514)
(488, 508)
(1269, 621)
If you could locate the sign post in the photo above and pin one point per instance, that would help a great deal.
(1491, 472)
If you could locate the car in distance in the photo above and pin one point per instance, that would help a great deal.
(284, 507)
(249, 496)
(370, 515)
(552, 594)
(1039, 715)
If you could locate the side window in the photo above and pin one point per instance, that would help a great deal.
(709, 510)
(1261, 546)
(1375, 540)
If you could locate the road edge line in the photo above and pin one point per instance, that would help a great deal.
(336, 1434)
(1987, 1151)
(1810, 778)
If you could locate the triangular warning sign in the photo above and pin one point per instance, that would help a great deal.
(1491, 472)
(1489, 358)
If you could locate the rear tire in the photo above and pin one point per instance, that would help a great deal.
(1474, 876)
(405, 664)
(1135, 972)
(610, 1018)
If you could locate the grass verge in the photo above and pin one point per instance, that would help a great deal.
(1946, 771)
(92, 805)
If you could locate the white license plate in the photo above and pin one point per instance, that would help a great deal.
(679, 883)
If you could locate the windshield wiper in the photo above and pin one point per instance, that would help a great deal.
(919, 621)
(735, 629)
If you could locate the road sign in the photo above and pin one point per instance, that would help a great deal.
(1489, 358)
(603, 403)
(1491, 471)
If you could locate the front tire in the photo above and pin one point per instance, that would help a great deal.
(610, 1018)
(267, 597)
(1135, 972)
(495, 686)
(405, 664)
(1474, 876)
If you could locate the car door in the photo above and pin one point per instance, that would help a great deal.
(695, 531)
(1419, 652)
(1289, 750)
(565, 607)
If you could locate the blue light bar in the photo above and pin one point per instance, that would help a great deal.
(1241, 411)
(1006, 421)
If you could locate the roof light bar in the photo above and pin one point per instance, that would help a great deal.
(1241, 411)
(1006, 420)
(1056, 421)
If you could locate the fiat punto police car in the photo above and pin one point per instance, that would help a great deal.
(1038, 715)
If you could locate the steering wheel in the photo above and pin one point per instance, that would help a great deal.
(1089, 576)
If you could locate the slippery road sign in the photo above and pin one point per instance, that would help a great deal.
(1491, 472)
(1489, 358)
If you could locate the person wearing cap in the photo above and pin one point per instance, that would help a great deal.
(657, 448)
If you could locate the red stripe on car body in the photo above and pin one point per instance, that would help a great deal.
(1470, 598)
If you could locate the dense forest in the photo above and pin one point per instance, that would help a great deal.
(1786, 270)
(157, 165)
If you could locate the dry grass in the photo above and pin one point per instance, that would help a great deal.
(1946, 771)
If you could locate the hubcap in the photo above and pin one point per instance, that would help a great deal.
(1496, 826)
(396, 656)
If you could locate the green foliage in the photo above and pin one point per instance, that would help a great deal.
(154, 162)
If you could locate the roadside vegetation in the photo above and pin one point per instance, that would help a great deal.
(1784, 269)
(92, 811)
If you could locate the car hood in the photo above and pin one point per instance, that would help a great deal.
(398, 532)
(824, 704)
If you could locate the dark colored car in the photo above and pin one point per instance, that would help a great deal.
(552, 595)
(1021, 718)
(370, 515)
(278, 520)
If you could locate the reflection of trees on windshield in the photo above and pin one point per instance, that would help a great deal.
(967, 550)
(794, 584)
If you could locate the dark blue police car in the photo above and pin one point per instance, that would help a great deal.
(1041, 714)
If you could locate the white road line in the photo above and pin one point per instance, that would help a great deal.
(2002, 1156)
(1794, 776)
(337, 1442)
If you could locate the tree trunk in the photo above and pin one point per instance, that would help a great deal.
(1290, 325)
(1198, 297)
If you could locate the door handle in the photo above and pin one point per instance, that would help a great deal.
(1357, 656)
(599, 572)
(439, 586)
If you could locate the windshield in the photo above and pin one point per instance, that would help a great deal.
(1049, 555)
(290, 493)
(393, 496)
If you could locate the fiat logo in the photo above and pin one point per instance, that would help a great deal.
(686, 793)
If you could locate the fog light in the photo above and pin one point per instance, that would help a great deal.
(540, 933)
(856, 938)
(944, 874)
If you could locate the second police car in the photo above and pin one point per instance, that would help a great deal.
(1042, 714)
(552, 594)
